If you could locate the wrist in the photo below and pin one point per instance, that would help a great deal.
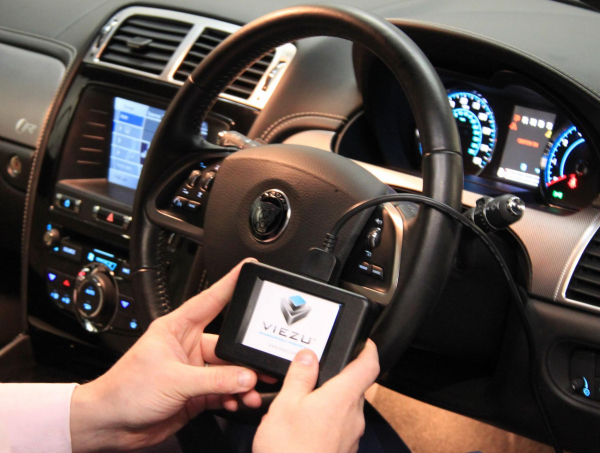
(92, 422)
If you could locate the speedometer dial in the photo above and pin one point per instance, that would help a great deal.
(477, 128)
(571, 175)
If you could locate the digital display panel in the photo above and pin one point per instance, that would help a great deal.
(528, 135)
(134, 126)
(285, 321)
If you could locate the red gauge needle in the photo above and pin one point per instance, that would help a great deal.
(559, 179)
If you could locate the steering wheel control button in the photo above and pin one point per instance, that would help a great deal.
(377, 272)
(193, 178)
(112, 217)
(374, 237)
(179, 202)
(193, 206)
(67, 203)
(364, 268)
(70, 251)
(207, 180)
(269, 215)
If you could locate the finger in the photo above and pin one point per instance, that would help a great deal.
(301, 377)
(214, 402)
(359, 374)
(209, 343)
(251, 399)
(267, 379)
(204, 307)
(230, 403)
(215, 380)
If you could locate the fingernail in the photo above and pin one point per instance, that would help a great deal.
(245, 378)
(305, 358)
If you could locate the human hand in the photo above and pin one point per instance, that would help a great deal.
(162, 382)
(327, 420)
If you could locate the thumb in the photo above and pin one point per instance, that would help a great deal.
(215, 380)
(302, 376)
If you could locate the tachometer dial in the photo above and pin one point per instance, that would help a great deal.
(570, 171)
(477, 128)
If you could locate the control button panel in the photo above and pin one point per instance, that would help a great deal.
(67, 203)
(60, 289)
(373, 254)
(193, 192)
(91, 285)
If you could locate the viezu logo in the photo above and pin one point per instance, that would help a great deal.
(294, 308)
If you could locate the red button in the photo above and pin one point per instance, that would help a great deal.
(66, 283)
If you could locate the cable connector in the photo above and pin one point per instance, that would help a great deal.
(319, 264)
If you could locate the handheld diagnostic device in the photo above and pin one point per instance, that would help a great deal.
(274, 314)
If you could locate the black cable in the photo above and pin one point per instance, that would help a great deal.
(519, 301)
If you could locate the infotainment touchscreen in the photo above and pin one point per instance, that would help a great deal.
(134, 126)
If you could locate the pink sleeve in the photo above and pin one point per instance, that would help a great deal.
(35, 417)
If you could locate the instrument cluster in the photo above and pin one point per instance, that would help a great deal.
(511, 135)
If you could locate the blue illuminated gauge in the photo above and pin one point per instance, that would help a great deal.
(570, 170)
(477, 128)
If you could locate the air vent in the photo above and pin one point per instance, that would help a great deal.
(145, 43)
(244, 85)
(585, 281)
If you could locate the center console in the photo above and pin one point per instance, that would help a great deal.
(79, 249)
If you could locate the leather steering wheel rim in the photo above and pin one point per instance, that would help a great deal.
(432, 250)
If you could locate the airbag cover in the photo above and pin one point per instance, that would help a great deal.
(320, 186)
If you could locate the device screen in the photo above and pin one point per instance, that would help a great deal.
(285, 321)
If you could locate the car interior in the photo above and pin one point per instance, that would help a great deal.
(148, 147)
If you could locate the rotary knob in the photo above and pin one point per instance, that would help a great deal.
(51, 238)
(96, 297)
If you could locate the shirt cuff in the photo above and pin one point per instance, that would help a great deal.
(35, 417)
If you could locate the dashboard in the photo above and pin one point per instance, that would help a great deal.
(510, 135)
(527, 105)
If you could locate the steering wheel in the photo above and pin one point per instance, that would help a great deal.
(312, 188)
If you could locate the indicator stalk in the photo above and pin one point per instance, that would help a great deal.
(493, 214)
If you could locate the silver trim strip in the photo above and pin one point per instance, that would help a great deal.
(572, 265)
(259, 98)
(554, 243)
(385, 298)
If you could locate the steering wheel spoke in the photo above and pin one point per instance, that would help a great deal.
(177, 203)
(373, 266)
